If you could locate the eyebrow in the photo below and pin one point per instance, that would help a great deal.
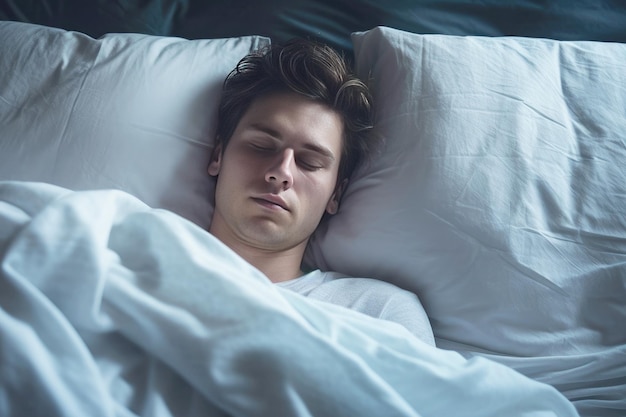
(322, 150)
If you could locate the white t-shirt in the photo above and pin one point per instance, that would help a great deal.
(369, 296)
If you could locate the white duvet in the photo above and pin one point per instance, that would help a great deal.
(110, 308)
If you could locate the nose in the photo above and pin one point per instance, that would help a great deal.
(280, 171)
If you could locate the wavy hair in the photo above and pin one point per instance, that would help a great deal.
(313, 70)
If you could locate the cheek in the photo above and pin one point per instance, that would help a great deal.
(237, 165)
(319, 191)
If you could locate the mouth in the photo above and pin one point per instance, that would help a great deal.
(272, 202)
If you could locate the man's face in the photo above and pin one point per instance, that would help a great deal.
(278, 173)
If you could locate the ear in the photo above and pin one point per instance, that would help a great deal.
(333, 204)
(216, 161)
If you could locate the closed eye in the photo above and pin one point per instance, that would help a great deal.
(311, 163)
(310, 167)
(262, 147)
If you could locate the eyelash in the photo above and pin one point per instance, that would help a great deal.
(262, 148)
(310, 167)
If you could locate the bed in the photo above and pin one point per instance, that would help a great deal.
(499, 198)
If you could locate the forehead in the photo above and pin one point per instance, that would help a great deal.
(294, 118)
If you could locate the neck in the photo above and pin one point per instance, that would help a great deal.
(277, 264)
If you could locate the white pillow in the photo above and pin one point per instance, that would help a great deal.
(500, 197)
(127, 111)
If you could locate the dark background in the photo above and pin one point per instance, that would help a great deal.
(331, 21)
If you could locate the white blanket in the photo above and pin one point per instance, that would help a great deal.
(110, 308)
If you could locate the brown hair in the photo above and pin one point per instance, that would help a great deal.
(314, 70)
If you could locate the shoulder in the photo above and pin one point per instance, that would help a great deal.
(388, 302)
(376, 297)
(373, 297)
(329, 284)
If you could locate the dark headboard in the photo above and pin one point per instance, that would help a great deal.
(331, 21)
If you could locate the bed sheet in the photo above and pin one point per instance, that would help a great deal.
(110, 308)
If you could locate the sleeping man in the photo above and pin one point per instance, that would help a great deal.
(293, 124)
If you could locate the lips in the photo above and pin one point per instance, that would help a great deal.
(271, 200)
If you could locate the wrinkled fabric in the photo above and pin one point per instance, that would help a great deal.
(110, 308)
(498, 198)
